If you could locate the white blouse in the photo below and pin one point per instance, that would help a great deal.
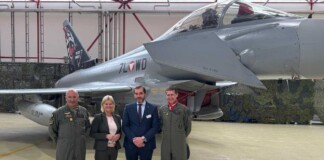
(112, 129)
(111, 125)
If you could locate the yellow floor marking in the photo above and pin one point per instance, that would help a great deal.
(18, 150)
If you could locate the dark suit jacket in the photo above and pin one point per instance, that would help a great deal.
(99, 129)
(147, 127)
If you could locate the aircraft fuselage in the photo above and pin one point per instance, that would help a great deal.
(294, 47)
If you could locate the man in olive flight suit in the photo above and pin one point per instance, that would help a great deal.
(68, 127)
(175, 123)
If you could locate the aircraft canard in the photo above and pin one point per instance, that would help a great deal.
(203, 54)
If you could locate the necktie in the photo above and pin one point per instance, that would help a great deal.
(139, 111)
(171, 106)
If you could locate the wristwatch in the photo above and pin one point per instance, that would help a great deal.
(144, 139)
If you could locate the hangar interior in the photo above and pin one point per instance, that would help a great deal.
(33, 54)
(31, 32)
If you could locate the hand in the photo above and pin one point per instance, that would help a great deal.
(109, 136)
(141, 145)
(139, 142)
(115, 137)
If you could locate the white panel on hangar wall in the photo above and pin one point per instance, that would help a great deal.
(20, 36)
(5, 29)
(85, 26)
(156, 25)
(32, 35)
(54, 41)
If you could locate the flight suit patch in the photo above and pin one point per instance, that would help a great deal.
(68, 116)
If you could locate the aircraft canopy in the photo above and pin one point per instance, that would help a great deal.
(225, 13)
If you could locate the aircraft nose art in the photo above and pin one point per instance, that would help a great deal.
(311, 36)
(204, 54)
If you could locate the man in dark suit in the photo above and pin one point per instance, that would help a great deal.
(140, 124)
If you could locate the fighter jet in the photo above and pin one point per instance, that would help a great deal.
(229, 41)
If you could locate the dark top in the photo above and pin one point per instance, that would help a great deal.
(99, 129)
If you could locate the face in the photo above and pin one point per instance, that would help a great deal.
(109, 106)
(139, 95)
(72, 98)
(171, 96)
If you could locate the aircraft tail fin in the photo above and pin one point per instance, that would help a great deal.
(78, 56)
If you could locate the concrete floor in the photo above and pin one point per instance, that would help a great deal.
(22, 139)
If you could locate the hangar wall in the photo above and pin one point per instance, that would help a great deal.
(86, 27)
(27, 75)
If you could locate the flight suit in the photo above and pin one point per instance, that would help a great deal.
(68, 128)
(176, 126)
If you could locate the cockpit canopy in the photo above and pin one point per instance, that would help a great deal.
(226, 13)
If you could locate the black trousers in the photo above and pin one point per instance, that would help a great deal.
(135, 153)
(110, 154)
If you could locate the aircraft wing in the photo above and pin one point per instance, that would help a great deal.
(81, 88)
(203, 54)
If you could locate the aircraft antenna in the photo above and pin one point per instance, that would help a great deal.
(265, 3)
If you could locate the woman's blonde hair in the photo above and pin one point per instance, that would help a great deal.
(107, 98)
